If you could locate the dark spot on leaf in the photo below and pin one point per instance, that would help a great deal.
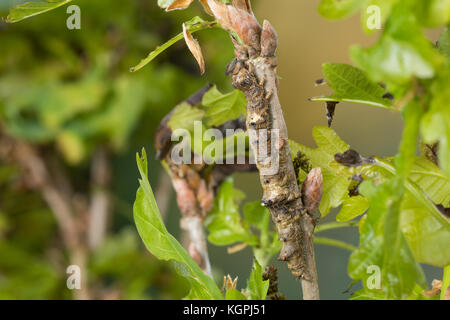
(320, 82)
(389, 96)
(445, 211)
(356, 182)
(351, 158)
(430, 151)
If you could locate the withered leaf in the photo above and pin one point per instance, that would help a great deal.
(243, 4)
(206, 7)
(331, 108)
(436, 289)
(229, 283)
(179, 5)
(195, 49)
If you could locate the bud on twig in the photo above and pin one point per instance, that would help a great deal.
(312, 190)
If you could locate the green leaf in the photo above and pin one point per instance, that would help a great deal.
(382, 241)
(352, 85)
(374, 294)
(433, 13)
(221, 108)
(162, 244)
(400, 271)
(224, 222)
(30, 9)
(385, 7)
(366, 294)
(431, 180)
(234, 295)
(193, 25)
(256, 214)
(352, 208)
(402, 52)
(444, 43)
(334, 243)
(338, 9)
(183, 117)
(427, 236)
(435, 126)
(335, 187)
(257, 287)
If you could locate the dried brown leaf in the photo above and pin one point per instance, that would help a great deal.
(229, 283)
(179, 5)
(243, 4)
(237, 248)
(436, 289)
(206, 7)
(195, 48)
(220, 12)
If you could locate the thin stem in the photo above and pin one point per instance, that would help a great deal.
(365, 102)
(100, 206)
(445, 282)
(197, 246)
(192, 29)
(334, 243)
(335, 225)
(416, 192)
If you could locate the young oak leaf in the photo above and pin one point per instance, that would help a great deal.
(335, 186)
(195, 48)
(162, 244)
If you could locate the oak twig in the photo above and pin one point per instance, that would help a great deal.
(253, 72)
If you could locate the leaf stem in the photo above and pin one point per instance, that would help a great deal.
(335, 225)
(192, 29)
(416, 192)
(445, 281)
(334, 243)
(366, 102)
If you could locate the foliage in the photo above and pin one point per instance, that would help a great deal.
(397, 200)
(165, 247)
(402, 218)
(30, 9)
(69, 93)
(162, 244)
(228, 227)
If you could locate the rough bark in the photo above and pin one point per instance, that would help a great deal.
(253, 72)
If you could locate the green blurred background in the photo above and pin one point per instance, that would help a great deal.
(69, 95)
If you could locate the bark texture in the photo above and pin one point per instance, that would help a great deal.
(253, 72)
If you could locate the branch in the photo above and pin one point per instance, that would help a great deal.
(100, 206)
(55, 189)
(254, 73)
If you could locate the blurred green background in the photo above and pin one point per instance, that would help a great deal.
(68, 94)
